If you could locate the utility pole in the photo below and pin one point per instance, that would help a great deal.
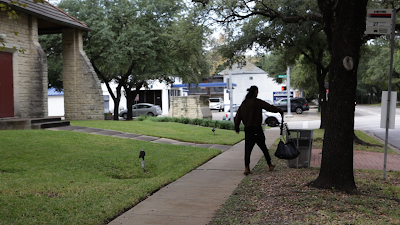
(289, 110)
(230, 91)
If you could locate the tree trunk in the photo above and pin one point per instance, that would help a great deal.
(107, 82)
(344, 27)
(117, 101)
(321, 74)
(130, 95)
(129, 102)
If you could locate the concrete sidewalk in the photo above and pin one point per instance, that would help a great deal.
(194, 198)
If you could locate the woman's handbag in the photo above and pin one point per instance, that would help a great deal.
(289, 149)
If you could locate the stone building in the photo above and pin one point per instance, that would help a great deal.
(23, 64)
(193, 106)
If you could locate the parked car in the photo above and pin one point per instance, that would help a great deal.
(142, 109)
(268, 118)
(297, 105)
(216, 103)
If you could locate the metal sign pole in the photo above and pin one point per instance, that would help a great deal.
(289, 110)
(389, 90)
(230, 91)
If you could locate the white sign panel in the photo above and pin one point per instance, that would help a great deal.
(379, 21)
(379, 30)
(379, 24)
(392, 115)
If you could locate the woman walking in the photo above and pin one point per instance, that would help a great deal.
(250, 112)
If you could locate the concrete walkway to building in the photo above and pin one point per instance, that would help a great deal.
(363, 160)
(195, 198)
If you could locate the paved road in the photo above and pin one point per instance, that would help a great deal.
(367, 118)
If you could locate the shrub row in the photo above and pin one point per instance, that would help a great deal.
(220, 124)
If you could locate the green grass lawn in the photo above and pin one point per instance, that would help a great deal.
(176, 131)
(64, 177)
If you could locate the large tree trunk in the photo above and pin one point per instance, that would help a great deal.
(107, 82)
(344, 27)
(321, 74)
(130, 95)
(117, 101)
(129, 102)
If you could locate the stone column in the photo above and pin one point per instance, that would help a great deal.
(83, 97)
(39, 85)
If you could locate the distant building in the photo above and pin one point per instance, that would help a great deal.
(55, 102)
(247, 76)
(158, 94)
(212, 92)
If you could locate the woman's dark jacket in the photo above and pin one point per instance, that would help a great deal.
(250, 112)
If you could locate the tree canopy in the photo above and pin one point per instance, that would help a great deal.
(134, 42)
(293, 31)
(343, 25)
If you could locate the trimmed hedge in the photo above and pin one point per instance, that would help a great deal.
(220, 124)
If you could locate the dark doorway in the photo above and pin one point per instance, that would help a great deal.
(150, 96)
(6, 85)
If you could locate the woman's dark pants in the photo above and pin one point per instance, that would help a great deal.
(254, 136)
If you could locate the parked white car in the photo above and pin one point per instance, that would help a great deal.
(216, 103)
(269, 118)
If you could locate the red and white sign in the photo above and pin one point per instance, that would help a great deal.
(379, 21)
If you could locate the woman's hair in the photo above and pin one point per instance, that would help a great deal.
(252, 92)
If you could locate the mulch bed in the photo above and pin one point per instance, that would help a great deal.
(282, 197)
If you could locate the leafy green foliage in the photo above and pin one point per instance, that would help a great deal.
(274, 64)
(220, 124)
(135, 42)
(52, 46)
(378, 67)
(291, 33)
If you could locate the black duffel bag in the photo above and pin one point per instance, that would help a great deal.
(289, 149)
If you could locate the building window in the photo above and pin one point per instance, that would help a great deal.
(175, 93)
(251, 78)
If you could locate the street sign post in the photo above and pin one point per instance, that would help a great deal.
(289, 111)
(383, 21)
(282, 76)
(379, 21)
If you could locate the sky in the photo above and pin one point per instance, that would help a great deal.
(54, 2)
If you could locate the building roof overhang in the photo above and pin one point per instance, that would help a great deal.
(204, 85)
(51, 20)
